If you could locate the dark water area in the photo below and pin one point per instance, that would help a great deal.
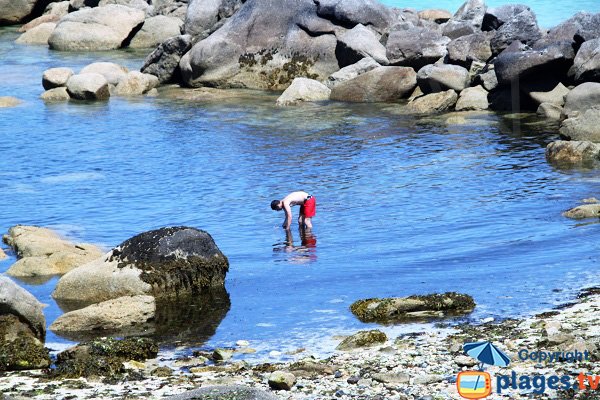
(405, 205)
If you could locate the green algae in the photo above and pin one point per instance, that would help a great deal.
(363, 339)
(19, 348)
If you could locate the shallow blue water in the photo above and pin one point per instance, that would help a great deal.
(549, 12)
(405, 206)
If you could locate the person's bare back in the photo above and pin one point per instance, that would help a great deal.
(300, 198)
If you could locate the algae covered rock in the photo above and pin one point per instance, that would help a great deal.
(103, 357)
(584, 211)
(281, 380)
(398, 309)
(165, 263)
(362, 339)
(15, 300)
(20, 349)
(572, 153)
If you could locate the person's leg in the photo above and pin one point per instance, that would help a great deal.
(307, 223)
(301, 220)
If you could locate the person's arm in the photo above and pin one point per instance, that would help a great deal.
(288, 215)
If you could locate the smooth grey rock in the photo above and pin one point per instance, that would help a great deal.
(303, 89)
(60, 9)
(38, 35)
(579, 28)
(236, 392)
(555, 96)
(362, 339)
(90, 86)
(15, 11)
(281, 380)
(465, 361)
(203, 17)
(579, 212)
(522, 27)
(367, 12)
(169, 8)
(435, 15)
(38, 21)
(466, 49)
(473, 98)
(582, 98)
(441, 77)
(427, 379)
(19, 302)
(135, 84)
(549, 111)
(101, 28)
(155, 31)
(381, 84)
(358, 43)
(163, 62)
(352, 71)
(467, 20)
(495, 17)
(415, 47)
(56, 94)
(586, 66)
(433, 102)
(56, 77)
(584, 127)
(165, 263)
(137, 4)
(488, 78)
(113, 73)
(391, 378)
(108, 316)
(241, 56)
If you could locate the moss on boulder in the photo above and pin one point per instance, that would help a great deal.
(19, 347)
(363, 339)
(399, 309)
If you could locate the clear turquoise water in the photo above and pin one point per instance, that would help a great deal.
(405, 206)
(549, 12)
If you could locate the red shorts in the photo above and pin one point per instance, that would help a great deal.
(309, 208)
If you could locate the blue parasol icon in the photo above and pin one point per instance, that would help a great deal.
(486, 353)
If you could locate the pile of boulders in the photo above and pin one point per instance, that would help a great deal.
(97, 81)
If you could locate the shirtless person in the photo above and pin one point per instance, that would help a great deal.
(307, 203)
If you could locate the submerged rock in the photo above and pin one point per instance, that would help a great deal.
(398, 309)
(8, 101)
(584, 211)
(102, 357)
(382, 84)
(167, 262)
(362, 339)
(572, 153)
(237, 392)
(303, 89)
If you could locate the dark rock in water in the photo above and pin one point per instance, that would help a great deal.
(466, 49)
(572, 153)
(205, 17)
(166, 263)
(586, 66)
(358, 43)
(381, 84)
(237, 392)
(522, 27)
(400, 309)
(363, 339)
(163, 62)
(102, 357)
(495, 17)
(20, 349)
(415, 47)
(292, 42)
(467, 20)
(14, 300)
(352, 12)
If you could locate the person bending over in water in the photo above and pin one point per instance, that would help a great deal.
(308, 208)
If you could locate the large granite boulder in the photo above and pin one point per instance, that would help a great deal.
(583, 127)
(56, 77)
(166, 263)
(292, 42)
(15, 11)
(441, 77)
(586, 66)
(522, 27)
(303, 89)
(433, 102)
(572, 153)
(467, 20)
(113, 73)
(42, 252)
(120, 315)
(59, 8)
(163, 62)
(466, 49)
(582, 98)
(495, 17)
(415, 47)
(382, 84)
(358, 43)
(398, 309)
(435, 15)
(90, 86)
(579, 28)
(473, 98)
(155, 31)
(169, 8)
(206, 16)
(352, 12)
(352, 71)
(15, 300)
(100, 28)
(135, 84)
(37, 35)
(38, 21)
(547, 92)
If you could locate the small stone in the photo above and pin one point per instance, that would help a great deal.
(56, 94)
(190, 362)
(427, 379)
(162, 372)
(222, 354)
(242, 343)
(391, 378)
(132, 364)
(338, 374)
(281, 380)
(465, 361)
(362, 339)
(353, 380)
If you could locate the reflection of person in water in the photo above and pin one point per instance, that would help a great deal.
(306, 252)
